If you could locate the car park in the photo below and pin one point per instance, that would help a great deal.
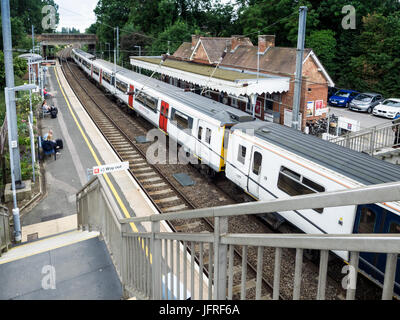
(342, 98)
(390, 108)
(365, 102)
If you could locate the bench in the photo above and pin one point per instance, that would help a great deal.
(42, 152)
(43, 112)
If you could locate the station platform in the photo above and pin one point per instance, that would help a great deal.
(55, 216)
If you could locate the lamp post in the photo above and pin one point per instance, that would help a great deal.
(12, 144)
(140, 53)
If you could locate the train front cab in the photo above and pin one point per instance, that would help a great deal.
(372, 218)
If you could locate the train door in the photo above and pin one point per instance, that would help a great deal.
(202, 150)
(130, 97)
(101, 77)
(369, 219)
(391, 225)
(164, 115)
(254, 177)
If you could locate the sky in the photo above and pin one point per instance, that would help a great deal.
(76, 13)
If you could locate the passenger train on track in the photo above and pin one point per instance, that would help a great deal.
(266, 160)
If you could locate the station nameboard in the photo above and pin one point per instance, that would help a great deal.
(111, 168)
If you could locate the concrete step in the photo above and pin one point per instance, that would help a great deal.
(32, 248)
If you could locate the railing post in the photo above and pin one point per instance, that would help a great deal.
(372, 142)
(155, 260)
(220, 258)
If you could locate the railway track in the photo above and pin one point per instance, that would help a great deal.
(159, 188)
(167, 197)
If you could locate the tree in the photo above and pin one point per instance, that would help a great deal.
(179, 32)
(378, 65)
(323, 43)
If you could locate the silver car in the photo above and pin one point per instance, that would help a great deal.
(365, 102)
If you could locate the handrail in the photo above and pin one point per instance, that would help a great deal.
(370, 140)
(156, 265)
(5, 239)
(363, 195)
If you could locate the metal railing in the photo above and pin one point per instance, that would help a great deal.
(157, 265)
(372, 139)
(5, 239)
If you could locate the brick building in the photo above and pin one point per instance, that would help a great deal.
(242, 75)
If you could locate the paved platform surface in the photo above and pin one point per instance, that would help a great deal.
(78, 267)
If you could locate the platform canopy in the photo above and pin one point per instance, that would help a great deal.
(231, 81)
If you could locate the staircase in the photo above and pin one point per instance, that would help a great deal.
(378, 141)
(72, 264)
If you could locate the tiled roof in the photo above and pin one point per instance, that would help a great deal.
(275, 59)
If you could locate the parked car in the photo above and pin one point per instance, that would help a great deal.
(365, 102)
(390, 108)
(342, 98)
(332, 91)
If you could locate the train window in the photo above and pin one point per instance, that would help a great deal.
(367, 221)
(394, 227)
(242, 154)
(96, 70)
(313, 185)
(294, 184)
(181, 120)
(208, 135)
(257, 163)
(147, 100)
(200, 133)
(122, 86)
(106, 77)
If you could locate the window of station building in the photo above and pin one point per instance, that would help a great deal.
(295, 184)
(241, 154)
(182, 120)
(257, 161)
(268, 102)
(367, 221)
(394, 228)
(200, 133)
(208, 135)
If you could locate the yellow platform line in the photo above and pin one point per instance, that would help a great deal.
(110, 184)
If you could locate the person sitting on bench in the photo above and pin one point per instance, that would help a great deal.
(48, 143)
(46, 94)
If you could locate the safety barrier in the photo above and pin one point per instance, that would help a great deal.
(5, 239)
(157, 265)
(372, 139)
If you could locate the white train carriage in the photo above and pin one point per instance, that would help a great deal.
(197, 123)
(271, 161)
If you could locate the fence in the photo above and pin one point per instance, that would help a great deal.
(371, 140)
(157, 265)
(5, 239)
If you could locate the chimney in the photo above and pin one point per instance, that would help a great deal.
(264, 42)
(195, 39)
(236, 41)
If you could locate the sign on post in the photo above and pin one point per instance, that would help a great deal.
(108, 168)
(111, 168)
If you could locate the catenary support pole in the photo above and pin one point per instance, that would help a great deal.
(299, 67)
(9, 71)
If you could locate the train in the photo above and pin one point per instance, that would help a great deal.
(264, 159)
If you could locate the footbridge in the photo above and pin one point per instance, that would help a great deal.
(52, 39)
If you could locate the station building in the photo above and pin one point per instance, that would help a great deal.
(258, 79)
